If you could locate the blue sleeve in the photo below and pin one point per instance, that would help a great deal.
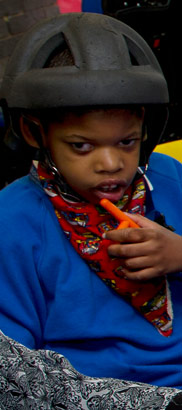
(22, 305)
(165, 174)
(92, 6)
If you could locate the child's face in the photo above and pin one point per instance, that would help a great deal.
(98, 152)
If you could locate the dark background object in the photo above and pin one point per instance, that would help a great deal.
(159, 23)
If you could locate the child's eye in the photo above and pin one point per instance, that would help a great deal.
(81, 146)
(127, 142)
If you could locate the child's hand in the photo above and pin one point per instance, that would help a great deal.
(147, 252)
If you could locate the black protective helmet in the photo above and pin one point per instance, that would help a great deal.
(112, 65)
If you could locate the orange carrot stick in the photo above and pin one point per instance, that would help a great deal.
(118, 214)
(123, 225)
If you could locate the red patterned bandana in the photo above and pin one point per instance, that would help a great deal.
(84, 224)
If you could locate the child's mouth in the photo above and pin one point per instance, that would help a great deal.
(113, 192)
(109, 188)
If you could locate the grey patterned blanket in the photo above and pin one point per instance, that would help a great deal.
(43, 380)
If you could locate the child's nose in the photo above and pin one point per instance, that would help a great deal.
(109, 160)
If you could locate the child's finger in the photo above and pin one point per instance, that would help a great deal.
(142, 274)
(142, 221)
(129, 250)
(134, 257)
(129, 235)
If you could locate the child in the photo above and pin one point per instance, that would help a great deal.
(86, 92)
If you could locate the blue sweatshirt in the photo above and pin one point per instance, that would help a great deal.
(49, 298)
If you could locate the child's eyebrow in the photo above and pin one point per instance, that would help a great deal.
(93, 138)
(133, 134)
(78, 136)
(130, 135)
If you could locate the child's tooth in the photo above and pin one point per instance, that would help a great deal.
(109, 187)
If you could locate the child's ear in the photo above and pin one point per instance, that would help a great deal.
(32, 131)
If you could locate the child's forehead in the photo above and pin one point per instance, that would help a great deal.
(60, 115)
(97, 123)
